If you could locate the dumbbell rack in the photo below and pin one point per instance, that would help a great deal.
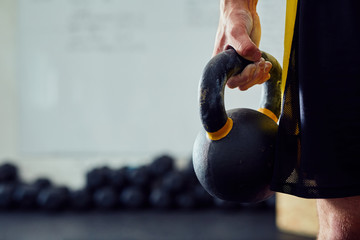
(159, 186)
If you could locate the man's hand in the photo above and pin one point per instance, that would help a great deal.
(239, 27)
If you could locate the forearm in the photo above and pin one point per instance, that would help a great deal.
(239, 28)
(249, 5)
(238, 21)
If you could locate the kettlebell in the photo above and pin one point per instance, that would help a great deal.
(234, 152)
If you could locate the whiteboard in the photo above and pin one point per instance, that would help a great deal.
(114, 77)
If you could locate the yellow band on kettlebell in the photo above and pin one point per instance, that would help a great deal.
(223, 132)
(268, 113)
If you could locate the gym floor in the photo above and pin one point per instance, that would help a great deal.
(145, 225)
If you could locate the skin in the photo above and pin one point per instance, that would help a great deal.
(339, 218)
(239, 27)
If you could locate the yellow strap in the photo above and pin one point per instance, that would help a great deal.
(223, 132)
(291, 6)
(268, 113)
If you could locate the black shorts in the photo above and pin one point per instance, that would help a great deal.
(318, 150)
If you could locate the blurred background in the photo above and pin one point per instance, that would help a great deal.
(108, 84)
(87, 82)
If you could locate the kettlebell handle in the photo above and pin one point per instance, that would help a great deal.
(212, 85)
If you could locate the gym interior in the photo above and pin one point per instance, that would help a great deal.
(99, 114)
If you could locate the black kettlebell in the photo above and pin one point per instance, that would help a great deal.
(233, 154)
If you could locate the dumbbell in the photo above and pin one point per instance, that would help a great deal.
(53, 198)
(194, 196)
(8, 172)
(138, 176)
(117, 178)
(25, 196)
(80, 200)
(185, 200)
(133, 197)
(105, 198)
(161, 165)
(168, 191)
(97, 178)
(42, 183)
(6, 194)
(161, 199)
(173, 182)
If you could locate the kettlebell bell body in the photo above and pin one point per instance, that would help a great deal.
(233, 154)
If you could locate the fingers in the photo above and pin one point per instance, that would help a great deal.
(238, 31)
(245, 47)
(239, 28)
(253, 74)
(241, 42)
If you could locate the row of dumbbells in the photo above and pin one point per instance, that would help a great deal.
(158, 185)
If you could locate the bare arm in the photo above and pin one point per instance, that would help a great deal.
(239, 27)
